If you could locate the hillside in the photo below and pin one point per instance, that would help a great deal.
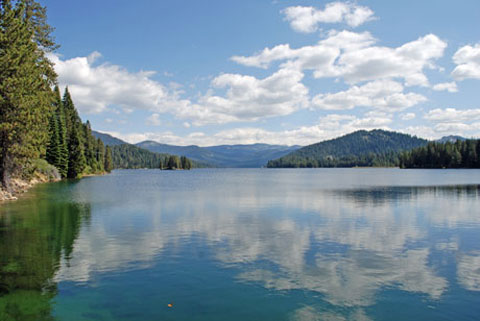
(239, 156)
(360, 148)
(125, 155)
(108, 140)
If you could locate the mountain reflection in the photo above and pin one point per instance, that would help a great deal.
(379, 195)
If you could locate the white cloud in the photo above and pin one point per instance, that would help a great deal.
(452, 115)
(250, 98)
(317, 57)
(353, 57)
(407, 61)
(467, 60)
(451, 87)
(457, 128)
(386, 95)
(408, 116)
(452, 121)
(307, 19)
(154, 120)
(95, 88)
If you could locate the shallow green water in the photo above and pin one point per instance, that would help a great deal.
(320, 244)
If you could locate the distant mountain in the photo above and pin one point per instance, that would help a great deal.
(360, 148)
(127, 155)
(451, 139)
(247, 156)
(108, 139)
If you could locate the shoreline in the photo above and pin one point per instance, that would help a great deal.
(21, 186)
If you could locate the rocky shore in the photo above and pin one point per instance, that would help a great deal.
(18, 186)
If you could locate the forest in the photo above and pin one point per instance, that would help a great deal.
(460, 154)
(128, 156)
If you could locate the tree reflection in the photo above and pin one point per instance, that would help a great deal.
(34, 236)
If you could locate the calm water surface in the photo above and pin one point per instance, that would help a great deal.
(236, 244)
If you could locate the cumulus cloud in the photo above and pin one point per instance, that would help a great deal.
(452, 115)
(154, 120)
(307, 19)
(95, 88)
(247, 98)
(384, 94)
(451, 87)
(455, 121)
(408, 116)
(353, 57)
(467, 60)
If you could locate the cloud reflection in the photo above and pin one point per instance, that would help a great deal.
(345, 244)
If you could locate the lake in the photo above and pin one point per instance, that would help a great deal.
(245, 244)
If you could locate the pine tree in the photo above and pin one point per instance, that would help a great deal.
(71, 114)
(100, 155)
(90, 148)
(186, 163)
(26, 77)
(108, 159)
(53, 147)
(174, 162)
(37, 16)
(76, 159)
(62, 161)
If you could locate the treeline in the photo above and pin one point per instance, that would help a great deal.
(461, 154)
(388, 159)
(34, 122)
(71, 147)
(128, 156)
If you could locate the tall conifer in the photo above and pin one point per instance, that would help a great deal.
(62, 161)
(108, 159)
(76, 161)
(26, 77)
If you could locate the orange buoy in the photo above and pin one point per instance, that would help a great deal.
(170, 305)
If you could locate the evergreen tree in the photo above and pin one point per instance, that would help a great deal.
(90, 148)
(36, 14)
(108, 159)
(76, 159)
(185, 163)
(174, 162)
(62, 161)
(53, 147)
(100, 155)
(71, 114)
(26, 77)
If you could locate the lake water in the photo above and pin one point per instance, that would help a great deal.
(237, 244)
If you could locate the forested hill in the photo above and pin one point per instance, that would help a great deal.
(128, 156)
(107, 139)
(360, 148)
(239, 156)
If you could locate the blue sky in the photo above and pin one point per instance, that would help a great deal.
(280, 72)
